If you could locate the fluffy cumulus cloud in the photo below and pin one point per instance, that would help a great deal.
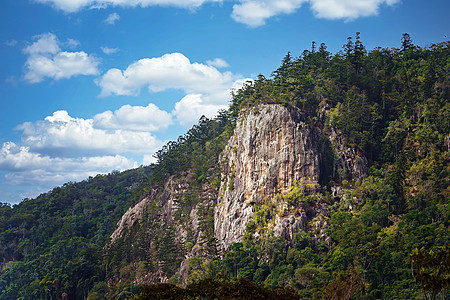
(207, 89)
(63, 135)
(30, 168)
(20, 158)
(170, 71)
(348, 9)
(63, 148)
(134, 118)
(189, 109)
(47, 60)
(75, 5)
(254, 13)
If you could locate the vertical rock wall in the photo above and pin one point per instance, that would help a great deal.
(272, 147)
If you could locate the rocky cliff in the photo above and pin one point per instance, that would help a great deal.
(272, 150)
(272, 147)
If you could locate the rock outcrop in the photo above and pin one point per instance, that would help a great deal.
(272, 147)
(349, 162)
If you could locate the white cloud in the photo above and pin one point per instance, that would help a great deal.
(207, 89)
(134, 118)
(109, 51)
(45, 59)
(171, 71)
(76, 5)
(20, 158)
(255, 13)
(348, 9)
(61, 135)
(112, 18)
(189, 109)
(148, 160)
(62, 148)
(30, 168)
(218, 63)
(63, 65)
(46, 43)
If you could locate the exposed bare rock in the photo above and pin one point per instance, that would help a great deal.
(287, 226)
(350, 163)
(272, 147)
(132, 215)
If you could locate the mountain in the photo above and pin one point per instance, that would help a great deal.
(331, 177)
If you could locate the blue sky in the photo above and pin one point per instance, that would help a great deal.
(91, 86)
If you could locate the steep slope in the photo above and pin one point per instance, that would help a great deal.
(173, 222)
(271, 149)
(55, 241)
(325, 178)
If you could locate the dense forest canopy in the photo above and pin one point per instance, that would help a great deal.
(386, 237)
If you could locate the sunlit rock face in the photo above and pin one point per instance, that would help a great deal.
(272, 147)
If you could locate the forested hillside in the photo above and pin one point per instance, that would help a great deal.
(384, 234)
(54, 243)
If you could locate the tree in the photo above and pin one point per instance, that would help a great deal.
(406, 42)
(431, 269)
(283, 71)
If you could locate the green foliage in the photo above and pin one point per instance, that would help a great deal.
(296, 195)
(301, 195)
(216, 287)
(432, 270)
(58, 237)
(390, 105)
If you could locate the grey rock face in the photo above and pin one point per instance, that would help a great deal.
(134, 214)
(350, 163)
(272, 147)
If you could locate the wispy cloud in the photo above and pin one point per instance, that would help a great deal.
(76, 5)
(72, 44)
(47, 60)
(11, 43)
(112, 18)
(218, 63)
(109, 51)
